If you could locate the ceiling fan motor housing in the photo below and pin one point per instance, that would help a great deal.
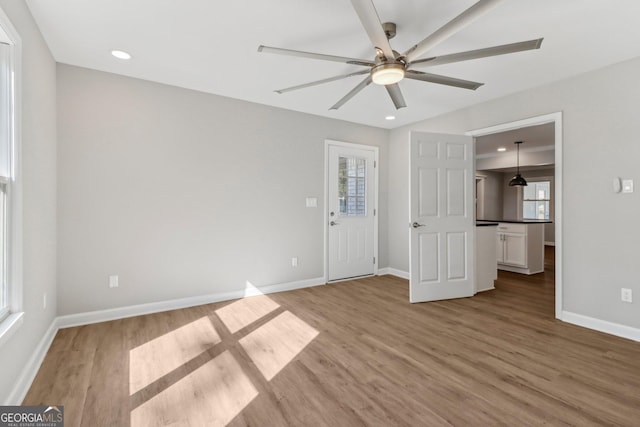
(388, 72)
(389, 29)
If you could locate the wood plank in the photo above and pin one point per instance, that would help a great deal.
(351, 353)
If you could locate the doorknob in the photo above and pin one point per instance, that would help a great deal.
(416, 225)
(332, 223)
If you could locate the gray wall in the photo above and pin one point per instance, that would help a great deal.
(182, 193)
(39, 195)
(510, 198)
(600, 228)
(493, 189)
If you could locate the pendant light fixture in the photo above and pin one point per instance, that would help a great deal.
(518, 180)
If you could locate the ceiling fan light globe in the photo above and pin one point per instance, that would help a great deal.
(387, 74)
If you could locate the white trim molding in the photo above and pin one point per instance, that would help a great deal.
(98, 316)
(10, 325)
(607, 327)
(32, 367)
(393, 272)
(14, 232)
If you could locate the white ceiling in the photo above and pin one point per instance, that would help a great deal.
(211, 46)
(534, 138)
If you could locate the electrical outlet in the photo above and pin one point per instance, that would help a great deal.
(294, 261)
(626, 295)
(113, 281)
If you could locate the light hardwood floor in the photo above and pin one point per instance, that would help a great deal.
(347, 354)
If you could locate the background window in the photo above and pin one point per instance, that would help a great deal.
(536, 200)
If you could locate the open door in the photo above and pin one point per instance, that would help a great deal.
(442, 217)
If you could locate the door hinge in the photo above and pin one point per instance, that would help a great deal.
(374, 260)
(374, 212)
(375, 164)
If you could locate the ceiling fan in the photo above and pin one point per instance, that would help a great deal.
(389, 67)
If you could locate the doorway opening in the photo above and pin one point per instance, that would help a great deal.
(543, 171)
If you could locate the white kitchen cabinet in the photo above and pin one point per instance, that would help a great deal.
(511, 248)
(520, 247)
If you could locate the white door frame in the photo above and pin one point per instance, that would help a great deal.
(479, 179)
(376, 152)
(555, 118)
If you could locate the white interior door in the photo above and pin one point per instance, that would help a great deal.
(351, 208)
(442, 217)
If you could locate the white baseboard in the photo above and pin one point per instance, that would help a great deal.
(602, 325)
(393, 272)
(30, 370)
(87, 318)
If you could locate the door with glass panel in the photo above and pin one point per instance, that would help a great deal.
(351, 211)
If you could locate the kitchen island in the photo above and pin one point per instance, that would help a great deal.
(520, 245)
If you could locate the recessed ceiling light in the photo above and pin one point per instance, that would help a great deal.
(502, 149)
(390, 118)
(120, 54)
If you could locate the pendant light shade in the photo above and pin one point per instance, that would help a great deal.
(518, 180)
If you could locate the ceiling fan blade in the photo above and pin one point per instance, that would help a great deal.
(450, 28)
(311, 55)
(366, 82)
(479, 53)
(396, 95)
(442, 80)
(318, 82)
(372, 25)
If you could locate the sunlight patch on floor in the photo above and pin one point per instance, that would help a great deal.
(217, 389)
(276, 343)
(212, 395)
(156, 358)
(244, 312)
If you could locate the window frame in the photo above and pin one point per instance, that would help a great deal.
(548, 179)
(13, 184)
(359, 182)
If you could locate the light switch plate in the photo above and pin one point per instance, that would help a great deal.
(312, 202)
(113, 281)
(627, 186)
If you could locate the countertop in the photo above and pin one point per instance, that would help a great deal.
(515, 221)
(486, 224)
